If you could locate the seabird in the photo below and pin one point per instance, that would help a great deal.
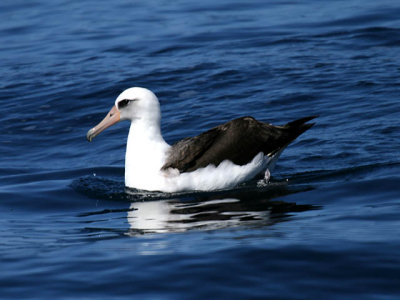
(219, 158)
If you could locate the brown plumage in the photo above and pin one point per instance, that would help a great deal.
(239, 141)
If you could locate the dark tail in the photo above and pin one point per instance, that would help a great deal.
(291, 131)
(301, 122)
(297, 127)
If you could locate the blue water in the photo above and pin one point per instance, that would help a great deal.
(326, 227)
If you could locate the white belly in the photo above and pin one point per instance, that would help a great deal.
(226, 175)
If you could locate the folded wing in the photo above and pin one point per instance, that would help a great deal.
(239, 141)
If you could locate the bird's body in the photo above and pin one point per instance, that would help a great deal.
(219, 158)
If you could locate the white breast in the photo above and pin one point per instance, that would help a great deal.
(225, 175)
(147, 151)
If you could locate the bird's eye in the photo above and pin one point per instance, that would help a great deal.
(124, 103)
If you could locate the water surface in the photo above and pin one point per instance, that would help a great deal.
(327, 225)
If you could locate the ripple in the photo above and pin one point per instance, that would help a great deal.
(69, 226)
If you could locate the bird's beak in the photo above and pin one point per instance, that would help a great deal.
(112, 117)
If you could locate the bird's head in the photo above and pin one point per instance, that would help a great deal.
(132, 104)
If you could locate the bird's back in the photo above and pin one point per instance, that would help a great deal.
(238, 141)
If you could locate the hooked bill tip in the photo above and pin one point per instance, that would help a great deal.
(89, 135)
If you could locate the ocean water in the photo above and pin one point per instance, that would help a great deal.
(328, 224)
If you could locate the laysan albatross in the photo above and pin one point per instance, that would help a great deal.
(219, 158)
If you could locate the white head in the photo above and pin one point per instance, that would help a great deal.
(133, 104)
(138, 103)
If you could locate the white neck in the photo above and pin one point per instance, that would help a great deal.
(146, 152)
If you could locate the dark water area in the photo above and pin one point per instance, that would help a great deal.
(327, 226)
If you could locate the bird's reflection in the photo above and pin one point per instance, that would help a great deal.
(209, 211)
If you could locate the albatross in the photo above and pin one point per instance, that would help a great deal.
(220, 158)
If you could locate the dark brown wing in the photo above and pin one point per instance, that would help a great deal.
(239, 141)
(184, 154)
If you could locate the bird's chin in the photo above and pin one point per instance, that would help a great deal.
(111, 118)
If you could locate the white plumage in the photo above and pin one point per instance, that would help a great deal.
(147, 152)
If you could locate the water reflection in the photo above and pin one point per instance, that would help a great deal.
(152, 212)
(209, 211)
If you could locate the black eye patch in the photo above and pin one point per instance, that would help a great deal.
(124, 103)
